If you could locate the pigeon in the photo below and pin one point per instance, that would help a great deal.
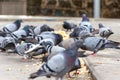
(104, 32)
(24, 32)
(80, 32)
(85, 24)
(38, 48)
(43, 28)
(66, 60)
(12, 27)
(53, 50)
(57, 38)
(24, 50)
(21, 48)
(39, 51)
(65, 43)
(45, 36)
(95, 44)
(7, 43)
(69, 25)
(3, 34)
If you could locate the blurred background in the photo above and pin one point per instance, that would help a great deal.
(66, 8)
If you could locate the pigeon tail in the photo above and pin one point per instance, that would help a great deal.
(37, 74)
(112, 44)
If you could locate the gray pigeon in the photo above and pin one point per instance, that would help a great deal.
(66, 60)
(12, 27)
(53, 50)
(96, 43)
(45, 36)
(24, 50)
(86, 24)
(21, 48)
(104, 32)
(7, 43)
(24, 32)
(80, 32)
(56, 38)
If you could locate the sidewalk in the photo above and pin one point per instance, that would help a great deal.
(105, 65)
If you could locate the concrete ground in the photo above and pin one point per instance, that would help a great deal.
(104, 66)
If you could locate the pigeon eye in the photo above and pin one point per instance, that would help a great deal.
(31, 46)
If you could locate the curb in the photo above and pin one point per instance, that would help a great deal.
(94, 74)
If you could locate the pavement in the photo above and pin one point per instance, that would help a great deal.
(104, 66)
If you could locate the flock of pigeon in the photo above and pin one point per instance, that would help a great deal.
(63, 55)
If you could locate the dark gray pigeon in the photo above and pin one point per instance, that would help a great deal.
(96, 43)
(39, 29)
(66, 60)
(69, 25)
(104, 32)
(13, 26)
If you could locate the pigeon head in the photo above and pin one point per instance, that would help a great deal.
(46, 43)
(27, 29)
(72, 35)
(75, 32)
(18, 21)
(84, 17)
(58, 38)
(100, 25)
(9, 46)
(3, 34)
